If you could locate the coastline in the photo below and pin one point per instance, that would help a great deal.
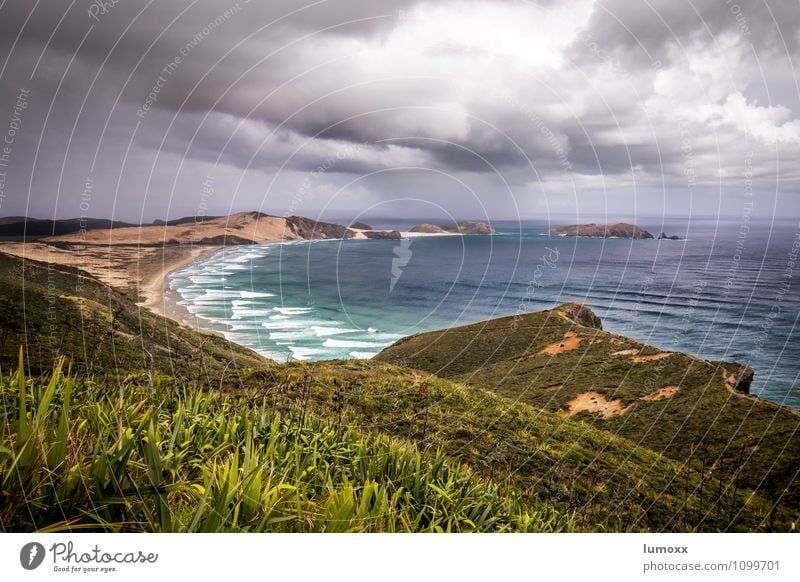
(152, 292)
(141, 271)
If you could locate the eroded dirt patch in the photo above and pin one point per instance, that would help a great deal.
(651, 357)
(662, 393)
(553, 388)
(595, 402)
(570, 341)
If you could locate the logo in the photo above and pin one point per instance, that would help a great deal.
(31, 555)
(402, 255)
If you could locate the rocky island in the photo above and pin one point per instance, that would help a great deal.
(618, 230)
(462, 227)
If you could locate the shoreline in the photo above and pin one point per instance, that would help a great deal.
(141, 271)
(153, 292)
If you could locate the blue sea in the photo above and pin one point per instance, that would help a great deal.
(728, 291)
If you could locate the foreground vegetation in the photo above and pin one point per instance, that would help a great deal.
(335, 446)
(78, 456)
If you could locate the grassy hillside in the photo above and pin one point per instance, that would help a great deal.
(606, 482)
(688, 409)
(77, 455)
(339, 446)
(56, 311)
(159, 428)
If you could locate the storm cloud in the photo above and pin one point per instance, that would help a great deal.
(340, 107)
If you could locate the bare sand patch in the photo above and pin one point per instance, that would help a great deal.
(595, 402)
(570, 341)
(651, 357)
(626, 352)
(661, 393)
(553, 388)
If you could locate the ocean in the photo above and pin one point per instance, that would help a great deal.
(728, 291)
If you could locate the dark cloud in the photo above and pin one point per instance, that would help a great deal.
(546, 97)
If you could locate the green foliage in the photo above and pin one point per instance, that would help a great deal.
(738, 442)
(55, 310)
(146, 459)
(606, 482)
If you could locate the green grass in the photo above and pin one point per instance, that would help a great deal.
(737, 439)
(54, 311)
(81, 455)
(607, 482)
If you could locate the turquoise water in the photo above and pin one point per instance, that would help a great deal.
(722, 293)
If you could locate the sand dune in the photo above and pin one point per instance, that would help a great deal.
(240, 228)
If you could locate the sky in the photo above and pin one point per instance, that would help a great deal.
(141, 110)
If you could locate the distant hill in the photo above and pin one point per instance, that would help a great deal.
(361, 226)
(13, 226)
(240, 228)
(694, 411)
(618, 230)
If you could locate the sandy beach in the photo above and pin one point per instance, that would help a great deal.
(153, 283)
(361, 233)
(141, 271)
